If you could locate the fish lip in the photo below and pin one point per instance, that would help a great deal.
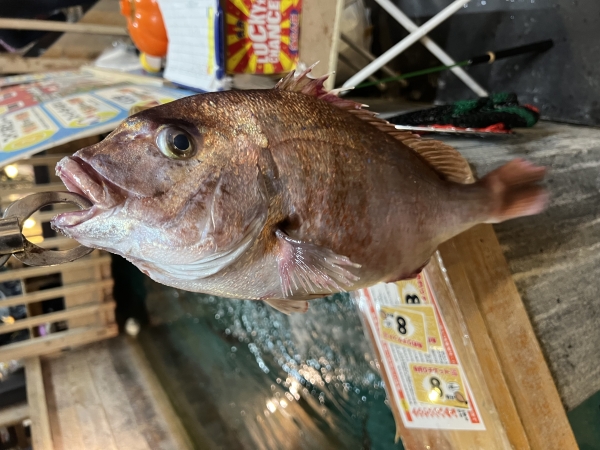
(81, 178)
(71, 219)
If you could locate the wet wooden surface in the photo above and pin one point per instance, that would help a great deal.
(104, 396)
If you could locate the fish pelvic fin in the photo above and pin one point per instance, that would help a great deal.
(306, 268)
(444, 159)
(515, 191)
(288, 306)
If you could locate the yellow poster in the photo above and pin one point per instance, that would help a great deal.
(439, 384)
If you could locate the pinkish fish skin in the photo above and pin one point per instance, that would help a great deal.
(284, 195)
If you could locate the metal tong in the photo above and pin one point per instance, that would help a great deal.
(12, 241)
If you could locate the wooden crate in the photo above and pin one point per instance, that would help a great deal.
(80, 292)
(33, 413)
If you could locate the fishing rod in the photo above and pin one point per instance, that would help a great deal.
(489, 57)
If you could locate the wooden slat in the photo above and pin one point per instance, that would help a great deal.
(43, 159)
(36, 397)
(17, 64)
(61, 291)
(31, 189)
(56, 342)
(322, 45)
(158, 394)
(66, 314)
(29, 272)
(77, 45)
(59, 242)
(486, 354)
(511, 334)
(46, 25)
(14, 414)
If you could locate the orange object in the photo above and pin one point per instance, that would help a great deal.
(146, 27)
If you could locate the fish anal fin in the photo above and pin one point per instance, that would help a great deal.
(444, 159)
(288, 306)
(306, 268)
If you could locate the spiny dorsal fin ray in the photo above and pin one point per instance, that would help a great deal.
(446, 160)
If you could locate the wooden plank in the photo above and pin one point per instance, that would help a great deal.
(67, 314)
(70, 431)
(92, 418)
(42, 160)
(159, 396)
(486, 354)
(47, 294)
(36, 397)
(74, 45)
(60, 242)
(56, 398)
(56, 342)
(115, 401)
(78, 275)
(31, 189)
(511, 334)
(10, 64)
(47, 25)
(14, 414)
(29, 272)
(320, 21)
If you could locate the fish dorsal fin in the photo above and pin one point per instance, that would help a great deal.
(444, 159)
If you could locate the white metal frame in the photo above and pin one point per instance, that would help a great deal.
(417, 34)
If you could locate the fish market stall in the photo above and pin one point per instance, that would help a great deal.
(301, 273)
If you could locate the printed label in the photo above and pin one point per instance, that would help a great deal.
(25, 128)
(439, 384)
(129, 96)
(81, 111)
(427, 384)
(402, 326)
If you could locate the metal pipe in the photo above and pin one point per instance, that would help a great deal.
(417, 33)
(435, 49)
(368, 55)
(347, 61)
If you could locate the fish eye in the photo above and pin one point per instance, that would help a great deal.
(175, 143)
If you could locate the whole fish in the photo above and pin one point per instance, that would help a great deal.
(281, 195)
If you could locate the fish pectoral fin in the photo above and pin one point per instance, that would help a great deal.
(289, 306)
(309, 269)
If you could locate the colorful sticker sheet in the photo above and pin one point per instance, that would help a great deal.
(49, 110)
(428, 383)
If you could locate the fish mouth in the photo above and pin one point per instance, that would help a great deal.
(81, 178)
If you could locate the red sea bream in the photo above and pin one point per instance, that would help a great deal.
(282, 195)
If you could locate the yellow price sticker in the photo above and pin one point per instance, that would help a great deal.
(405, 327)
(439, 384)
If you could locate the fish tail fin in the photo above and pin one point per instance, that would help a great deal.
(515, 191)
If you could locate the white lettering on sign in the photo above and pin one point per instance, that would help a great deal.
(264, 30)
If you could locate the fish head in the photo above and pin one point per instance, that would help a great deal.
(175, 189)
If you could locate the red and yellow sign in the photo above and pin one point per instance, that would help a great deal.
(262, 35)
